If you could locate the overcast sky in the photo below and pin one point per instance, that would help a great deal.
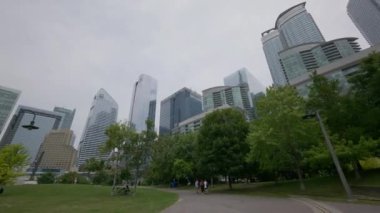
(60, 53)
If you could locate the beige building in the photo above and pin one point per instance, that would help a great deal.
(57, 151)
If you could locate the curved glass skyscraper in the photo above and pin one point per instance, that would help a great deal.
(143, 105)
(295, 26)
(366, 16)
(102, 114)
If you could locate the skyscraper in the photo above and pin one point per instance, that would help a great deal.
(366, 16)
(58, 150)
(143, 104)
(103, 113)
(68, 117)
(244, 76)
(295, 26)
(178, 107)
(8, 99)
(234, 96)
(31, 139)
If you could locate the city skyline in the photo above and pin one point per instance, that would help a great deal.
(182, 45)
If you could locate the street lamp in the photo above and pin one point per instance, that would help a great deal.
(31, 125)
(116, 152)
(332, 153)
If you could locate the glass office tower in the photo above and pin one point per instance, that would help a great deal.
(68, 117)
(8, 99)
(366, 16)
(293, 27)
(31, 139)
(143, 104)
(244, 76)
(103, 113)
(178, 107)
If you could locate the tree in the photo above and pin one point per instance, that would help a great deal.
(279, 137)
(182, 169)
(12, 160)
(46, 178)
(221, 143)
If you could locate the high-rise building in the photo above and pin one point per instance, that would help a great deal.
(366, 16)
(57, 151)
(178, 107)
(68, 117)
(103, 113)
(143, 104)
(244, 76)
(295, 26)
(8, 99)
(31, 139)
(234, 96)
(306, 58)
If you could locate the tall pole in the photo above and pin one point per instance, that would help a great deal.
(335, 158)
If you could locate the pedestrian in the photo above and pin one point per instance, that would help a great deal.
(197, 186)
(202, 186)
(206, 186)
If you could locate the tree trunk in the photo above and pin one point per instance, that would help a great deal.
(300, 178)
(212, 182)
(356, 169)
(136, 177)
(229, 182)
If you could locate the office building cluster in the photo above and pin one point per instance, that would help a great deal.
(294, 48)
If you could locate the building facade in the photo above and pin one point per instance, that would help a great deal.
(234, 96)
(366, 16)
(178, 107)
(244, 76)
(57, 151)
(68, 117)
(306, 58)
(8, 99)
(103, 113)
(293, 27)
(143, 104)
(31, 139)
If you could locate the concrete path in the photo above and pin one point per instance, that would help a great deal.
(190, 202)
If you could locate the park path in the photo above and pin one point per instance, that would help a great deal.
(190, 202)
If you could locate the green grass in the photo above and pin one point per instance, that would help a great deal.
(324, 187)
(81, 198)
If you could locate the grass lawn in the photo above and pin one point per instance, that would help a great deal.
(326, 187)
(81, 198)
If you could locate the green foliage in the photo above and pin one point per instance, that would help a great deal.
(93, 165)
(102, 178)
(12, 160)
(182, 169)
(280, 138)
(221, 143)
(71, 178)
(46, 178)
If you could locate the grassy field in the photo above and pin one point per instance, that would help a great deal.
(327, 187)
(81, 198)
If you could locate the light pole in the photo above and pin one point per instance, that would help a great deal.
(332, 153)
(116, 152)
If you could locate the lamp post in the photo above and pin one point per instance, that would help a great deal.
(332, 153)
(31, 125)
(116, 152)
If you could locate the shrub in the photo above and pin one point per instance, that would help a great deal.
(46, 178)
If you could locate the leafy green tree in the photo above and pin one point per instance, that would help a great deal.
(222, 145)
(46, 178)
(72, 178)
(182, 169)
(12, 160)
(279, 138)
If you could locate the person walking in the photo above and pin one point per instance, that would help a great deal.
(205, 186)
(202, 186)
(197, 186)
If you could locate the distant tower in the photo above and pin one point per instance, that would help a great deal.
(31, 139)
(366, 16)
(68, 117)
(293, 27)
(58, 150)
(234, 96)
(143, 104)
(244, 76)
(178, 107)
(8, 99)
(102, 114)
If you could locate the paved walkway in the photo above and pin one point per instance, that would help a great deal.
(190, 202)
